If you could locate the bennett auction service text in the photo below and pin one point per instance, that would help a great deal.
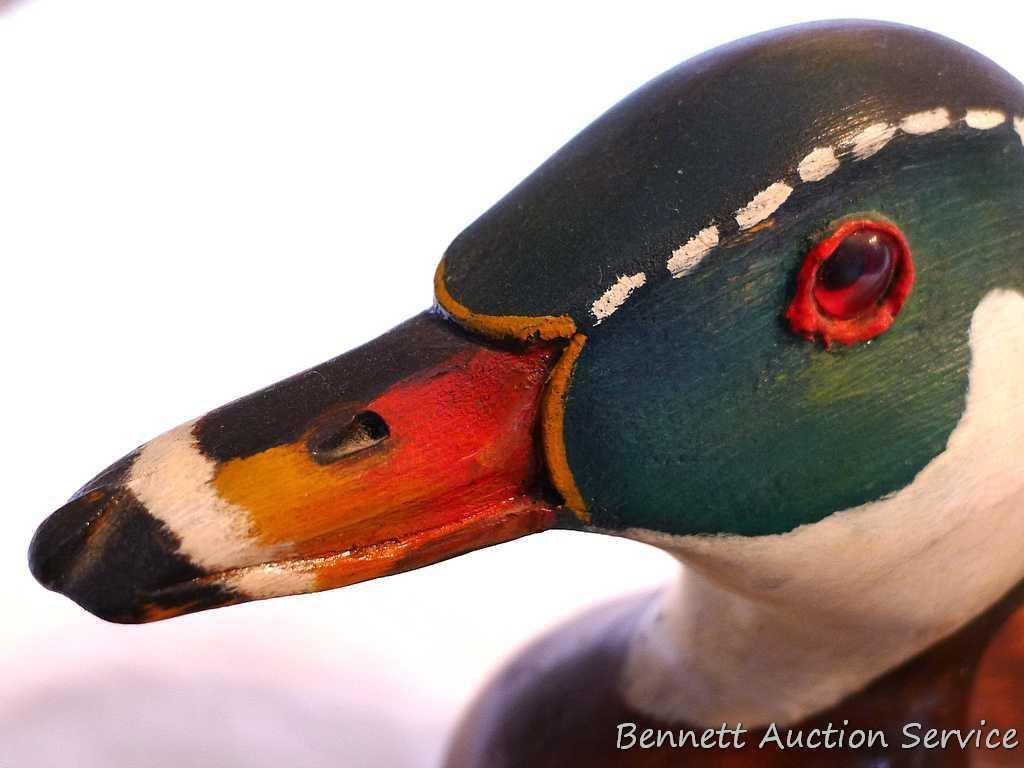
(912, 736)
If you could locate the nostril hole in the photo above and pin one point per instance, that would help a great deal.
(331, 443)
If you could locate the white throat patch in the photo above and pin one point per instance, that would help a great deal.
(775, 628)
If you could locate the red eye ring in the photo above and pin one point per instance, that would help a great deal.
(809, 318)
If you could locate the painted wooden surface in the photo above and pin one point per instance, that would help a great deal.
(557, 704)
(259, 498)
(614, 350)
(698, 145)
(826, 430)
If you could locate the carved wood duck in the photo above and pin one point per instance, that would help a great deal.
(765, 314)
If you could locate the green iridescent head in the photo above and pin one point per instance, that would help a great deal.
(672, 233)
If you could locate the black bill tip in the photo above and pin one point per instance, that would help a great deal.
(60, 541)
(104, 550)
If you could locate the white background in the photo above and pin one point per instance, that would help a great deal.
(199, 198)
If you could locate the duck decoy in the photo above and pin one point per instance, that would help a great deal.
(767, 314)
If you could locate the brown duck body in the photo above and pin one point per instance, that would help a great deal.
(558, 703)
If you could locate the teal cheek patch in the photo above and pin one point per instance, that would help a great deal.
(695, 409)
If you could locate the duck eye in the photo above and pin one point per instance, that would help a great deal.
(857, 274)
(853, 283)
(333, 442)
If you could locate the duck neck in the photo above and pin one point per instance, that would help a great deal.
(709, 651)
(776, 628)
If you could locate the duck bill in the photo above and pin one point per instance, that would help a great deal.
(417, 447)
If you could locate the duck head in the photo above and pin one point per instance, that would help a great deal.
(769, 287)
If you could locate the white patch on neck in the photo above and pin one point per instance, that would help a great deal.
(775, 628)
(174, 480)
(616, 296)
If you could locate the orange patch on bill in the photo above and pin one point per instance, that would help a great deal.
(460, 458)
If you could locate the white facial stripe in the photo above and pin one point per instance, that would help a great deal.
(871, 140)
(616, 296)
(686, 257)
(984, 119)
(774, 628)
(175, 482)
(821, 162)
(764, 204)
(923, 123)
(815, 166)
